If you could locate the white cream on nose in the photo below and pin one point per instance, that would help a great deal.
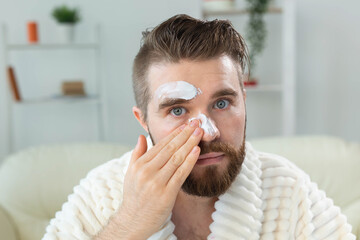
(206, 124)
(174, 90)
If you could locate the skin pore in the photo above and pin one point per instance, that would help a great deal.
(222, 101)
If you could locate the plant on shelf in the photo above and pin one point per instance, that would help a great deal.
(67, 18)
(64, 14)
(256, 29)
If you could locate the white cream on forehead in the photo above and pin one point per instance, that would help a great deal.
(174, 90)
(206, 124)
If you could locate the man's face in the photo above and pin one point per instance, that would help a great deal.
(221, 102)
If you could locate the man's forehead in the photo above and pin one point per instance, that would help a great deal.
(161, 73)
(192, 71)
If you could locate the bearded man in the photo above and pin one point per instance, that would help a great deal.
(195, 177)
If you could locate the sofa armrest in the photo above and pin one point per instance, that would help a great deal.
(352, 213)
(7, 228)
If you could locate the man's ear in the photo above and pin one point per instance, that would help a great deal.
(139, 116)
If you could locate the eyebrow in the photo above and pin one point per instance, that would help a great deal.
(168, 102)
(225, 92)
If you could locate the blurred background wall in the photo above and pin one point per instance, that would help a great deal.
(327, 75)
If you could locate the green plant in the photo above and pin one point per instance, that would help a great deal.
(256, 29)
(64, 14)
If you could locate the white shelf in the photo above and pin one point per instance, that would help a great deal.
(264, 88)
(55, 46)
(61, 99)
(234, 11)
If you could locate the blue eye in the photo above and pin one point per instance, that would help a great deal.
(177, 111)
(221, 104)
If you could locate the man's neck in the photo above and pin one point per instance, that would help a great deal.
(192, 216)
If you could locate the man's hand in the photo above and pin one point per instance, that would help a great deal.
(153, 181)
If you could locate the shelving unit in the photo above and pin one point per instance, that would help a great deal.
(62, 99)
(265, 88)
(95, 99)
(47, 46)
(208, 13)
(288, 75)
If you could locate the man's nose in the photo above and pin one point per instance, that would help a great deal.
(211, 132)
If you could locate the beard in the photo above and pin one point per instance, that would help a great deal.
(212, 182)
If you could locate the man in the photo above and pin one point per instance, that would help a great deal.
(200, 180)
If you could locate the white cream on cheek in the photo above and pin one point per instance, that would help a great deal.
(177, 90)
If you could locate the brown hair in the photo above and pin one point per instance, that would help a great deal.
(183, 37)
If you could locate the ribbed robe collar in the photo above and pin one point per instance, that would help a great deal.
(238, 212)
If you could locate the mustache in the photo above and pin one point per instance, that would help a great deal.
(216, 146)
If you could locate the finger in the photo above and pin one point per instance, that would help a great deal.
(160, 145)
(140, 149)
(183, 171)
(169, 149)
(179, 156)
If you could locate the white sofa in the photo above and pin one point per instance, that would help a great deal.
(35, 182)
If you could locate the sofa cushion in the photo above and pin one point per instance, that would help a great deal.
(35, 182)
(7, 227)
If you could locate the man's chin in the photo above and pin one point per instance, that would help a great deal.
(214, 175)
(211, 180)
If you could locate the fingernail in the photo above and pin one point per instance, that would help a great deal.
(182, 126)
(194, 123)
(137, 143)
(197, 132)
(195, 150)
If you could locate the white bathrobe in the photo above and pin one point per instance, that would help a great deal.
(271, 198)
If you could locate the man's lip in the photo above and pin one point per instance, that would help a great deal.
(210, 155)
